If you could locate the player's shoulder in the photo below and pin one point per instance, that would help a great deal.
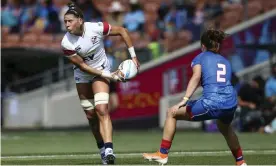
(89, 24)
(67, 41)
(208, 55)
(199, 56)
(93, 25)
(100, 28)
(67, 38)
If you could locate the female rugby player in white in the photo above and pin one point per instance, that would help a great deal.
(83, 45)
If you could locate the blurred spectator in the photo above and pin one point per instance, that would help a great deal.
(170, 20)
(42, 14)
(176, 18)
(248, 98)
(62, 7)
(116, 14)
(213, 8)
(258, 84)
(270, 86)
(96, 14)
(85, 6)
(198, 15)
(90, 12)
(11, 14)
(256, 112)
(265, 38)
(135, 19)
(29, 15)
(54, 25)
(160, 22)
(252, 95)
(249, 102)
(154, 45)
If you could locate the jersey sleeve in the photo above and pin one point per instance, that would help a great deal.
(67, 47)
(102, 28)
(196, 61)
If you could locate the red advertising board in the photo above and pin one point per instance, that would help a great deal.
(140, 96)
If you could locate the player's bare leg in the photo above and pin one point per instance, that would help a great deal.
(232, 141)
(100, 88)
(161, 156)
(87, 102)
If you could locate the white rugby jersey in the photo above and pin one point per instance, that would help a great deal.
(90, 45)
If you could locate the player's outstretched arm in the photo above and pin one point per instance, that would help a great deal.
(194, 81)
(78, 61)
(117, 30)
(192, 85)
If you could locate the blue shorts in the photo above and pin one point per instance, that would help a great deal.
(197, 112)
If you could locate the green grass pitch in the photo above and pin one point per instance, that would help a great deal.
(79, 148)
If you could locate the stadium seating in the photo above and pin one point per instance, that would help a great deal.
(232, 15)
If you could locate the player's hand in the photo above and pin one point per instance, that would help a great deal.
(136, 62)
(112, 76)
(174, 109)
(182, 103)
(116, 76)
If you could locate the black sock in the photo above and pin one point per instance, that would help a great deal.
(100, 144)
(108, 145)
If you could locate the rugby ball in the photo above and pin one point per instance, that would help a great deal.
(128, 69)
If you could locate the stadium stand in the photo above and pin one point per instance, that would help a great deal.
(26, 22)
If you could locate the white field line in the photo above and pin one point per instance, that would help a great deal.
(127, 155)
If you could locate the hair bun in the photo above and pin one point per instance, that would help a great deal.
(71, 5)
(216, 35)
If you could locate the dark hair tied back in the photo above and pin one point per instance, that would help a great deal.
(73, 9)
(71, 5)
(212, 39)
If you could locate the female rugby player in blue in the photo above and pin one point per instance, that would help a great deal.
(219, 99)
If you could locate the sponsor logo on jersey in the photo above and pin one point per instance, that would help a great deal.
(94, 39)
(78, 48)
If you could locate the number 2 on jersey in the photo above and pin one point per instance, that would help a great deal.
(221, 72)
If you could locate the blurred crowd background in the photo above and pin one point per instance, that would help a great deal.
(160, 25)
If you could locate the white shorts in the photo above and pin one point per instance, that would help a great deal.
(83, 77)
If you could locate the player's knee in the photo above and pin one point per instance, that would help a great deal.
(102, 110)
(101, 101)
(170, 114)
(88, 107)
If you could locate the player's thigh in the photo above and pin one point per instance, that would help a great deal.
(226, 116)
(86, 97)
(196, 111)
(188, 112)
(100, 87)
(180, 114)
(84, 90)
